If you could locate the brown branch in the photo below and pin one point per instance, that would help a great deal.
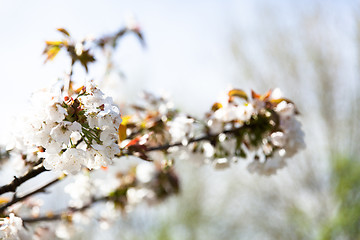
(11, 187)
(192, 140)
(16, 199)
(208, 137)
(61, 214)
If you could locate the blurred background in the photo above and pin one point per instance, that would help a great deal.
(194, 52)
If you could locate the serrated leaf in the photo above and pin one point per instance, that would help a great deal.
(238, 93)
(85, 58)
(54, 43)
(62, 30)
(279, 100)
(267, 95)
(254, 95)
(133, 142)
(51, 52)
(122, 132)
(78, 90)
(125, 119)
(216, 106)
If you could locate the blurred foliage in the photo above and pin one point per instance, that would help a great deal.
(346, 184)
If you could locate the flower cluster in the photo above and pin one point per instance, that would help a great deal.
(74, 131)
(149, 120)
(263, 129)
(81, 190)
(149, 182)
(12, 228)
(155, 122)
(118, 191)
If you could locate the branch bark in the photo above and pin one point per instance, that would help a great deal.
(61, 214)
(11, 187)
(16, 199)
(208, 137)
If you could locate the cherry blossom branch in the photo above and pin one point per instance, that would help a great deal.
(208, 137)
(16, 199)
(141, 149)
(11, 187)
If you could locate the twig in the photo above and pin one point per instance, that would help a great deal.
(192, 140)
(16, 199)
(11, 187)
(208, 137)
(61, 214)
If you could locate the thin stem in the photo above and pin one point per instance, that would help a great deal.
(69, 210)
(11, 187)
(208, 137)
(16, 199)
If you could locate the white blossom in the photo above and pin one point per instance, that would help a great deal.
(61, 133)
(233, 112)
(269, 149)
(291, 128)
(74, 132)
(70, 161)
(221, 163)
(269, 166)
(289, 140)
(81, 191)
(181, 128)
(11, 228)
(145, 172)
(65, 230)
(138, 195)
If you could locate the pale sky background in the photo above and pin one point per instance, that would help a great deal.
(185, 53)
(188, 53)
